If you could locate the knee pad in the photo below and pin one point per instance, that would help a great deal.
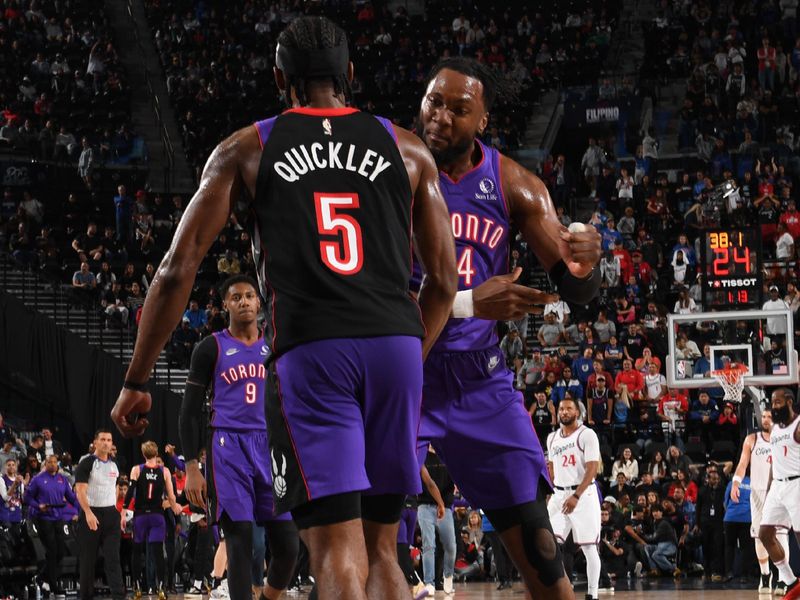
(383, 508)
(539, 543)
(328, 510)
(284, 545)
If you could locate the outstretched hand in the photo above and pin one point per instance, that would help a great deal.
(501, 299)
(129, 412)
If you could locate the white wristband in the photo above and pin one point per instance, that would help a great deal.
(462, 305)
(737, 479)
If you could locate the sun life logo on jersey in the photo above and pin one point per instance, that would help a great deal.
(493, 363)
(326, 125)
(487, 188)
(278, 475)
(231, 351)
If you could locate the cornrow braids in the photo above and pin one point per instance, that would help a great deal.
(313, 33)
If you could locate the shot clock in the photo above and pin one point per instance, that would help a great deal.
(733, 269)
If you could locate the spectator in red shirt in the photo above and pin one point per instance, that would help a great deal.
(591, 383)
(629, 383)
(791, 218)
(642, 269)
(625, 262)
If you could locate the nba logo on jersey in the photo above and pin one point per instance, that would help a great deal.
(326, 125)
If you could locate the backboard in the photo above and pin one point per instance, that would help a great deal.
(744, 336)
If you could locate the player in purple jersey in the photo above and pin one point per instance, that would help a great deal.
(228, 367)
(472, 414)
(340, 199)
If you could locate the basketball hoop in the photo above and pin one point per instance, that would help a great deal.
(732, 381)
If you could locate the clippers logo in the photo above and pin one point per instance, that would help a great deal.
(278, 475)
(326, 125)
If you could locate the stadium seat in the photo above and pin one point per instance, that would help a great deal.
(696, 450)
(723, 451)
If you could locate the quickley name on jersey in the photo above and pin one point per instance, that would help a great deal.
(304, 159)
(332, 237)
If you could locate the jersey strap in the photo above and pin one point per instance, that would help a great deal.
(389, 127)
(264, 128)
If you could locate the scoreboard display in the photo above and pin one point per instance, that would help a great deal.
(732, 264)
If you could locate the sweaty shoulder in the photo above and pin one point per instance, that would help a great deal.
(416, 156)
(243, 149)
(520, 186)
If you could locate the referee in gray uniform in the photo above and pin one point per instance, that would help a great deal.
(99, 523)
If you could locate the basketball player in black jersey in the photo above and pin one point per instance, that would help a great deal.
(150, 483)
(332, 191)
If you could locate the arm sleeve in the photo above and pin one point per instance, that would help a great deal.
(130, 493)
(84, 469)
(201, 372)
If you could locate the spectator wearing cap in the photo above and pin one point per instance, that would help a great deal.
(776, 327)
(704, 416)
(641, 269)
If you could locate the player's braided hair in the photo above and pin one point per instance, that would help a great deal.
(495, 84)
(313, 33)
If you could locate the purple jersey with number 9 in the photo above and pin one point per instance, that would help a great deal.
(237, 401)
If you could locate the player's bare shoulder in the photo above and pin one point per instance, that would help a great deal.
(523, 189)
(416, 156)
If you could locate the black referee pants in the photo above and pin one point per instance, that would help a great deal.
(108, 535)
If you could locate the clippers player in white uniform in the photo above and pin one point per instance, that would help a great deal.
(757, 454)
(781, 508)
(573, 457)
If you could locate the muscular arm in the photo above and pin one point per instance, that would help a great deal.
(533, 212)
(170, 491)
(82, 492)
(232, 162)
(433, 237)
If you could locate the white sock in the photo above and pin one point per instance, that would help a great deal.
(785, 572)
(763, 557)
(592, 568)
(783, 540)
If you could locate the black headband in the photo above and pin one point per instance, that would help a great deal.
(312, 64)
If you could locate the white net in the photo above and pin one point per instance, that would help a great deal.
(732, 381)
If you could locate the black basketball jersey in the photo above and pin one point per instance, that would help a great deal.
(332, 235)
(541, 415)
(150, 489)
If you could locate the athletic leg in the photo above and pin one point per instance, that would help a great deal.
(284, 545)
(157, 551)
(332, 530)
(779, 557)
(136, 567)
(592, 568)
(238, 551)
(528, 537)
(380, 517)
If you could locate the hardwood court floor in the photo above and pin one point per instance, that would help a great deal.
(689, 589)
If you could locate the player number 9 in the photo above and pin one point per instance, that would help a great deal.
(250, 393)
